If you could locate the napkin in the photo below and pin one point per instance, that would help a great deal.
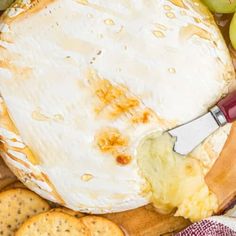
(213, 226)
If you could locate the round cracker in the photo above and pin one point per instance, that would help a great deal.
(68, 211)
(100, 226)
(54, 224)
(16, 184)
(17, 205)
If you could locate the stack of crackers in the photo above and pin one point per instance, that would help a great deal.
(24, 213)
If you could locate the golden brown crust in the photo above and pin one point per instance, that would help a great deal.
(31, 7)
(6, 123)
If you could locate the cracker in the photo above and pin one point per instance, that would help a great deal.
(53, 224)
(68, 211)
(13, 185)
(17, 205)
(100, 226)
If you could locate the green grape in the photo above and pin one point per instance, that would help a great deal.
(4, 4)
(221, 6)
(232, 31)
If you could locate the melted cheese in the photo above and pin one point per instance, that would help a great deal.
(177, 182)
(72, 70)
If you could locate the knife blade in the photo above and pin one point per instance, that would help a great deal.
(190, 135)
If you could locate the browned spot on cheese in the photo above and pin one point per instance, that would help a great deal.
(113, 100)
(106, 92)
(190, 30)
(142, 117)
(123, 159)
(123, 105)
(109, 139)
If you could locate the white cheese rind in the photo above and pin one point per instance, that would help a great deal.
(171, 59)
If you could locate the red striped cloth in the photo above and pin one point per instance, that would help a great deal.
(214, 226)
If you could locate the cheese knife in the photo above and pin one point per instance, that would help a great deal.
(191, 134)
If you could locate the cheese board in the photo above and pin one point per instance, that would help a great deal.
(31, 109)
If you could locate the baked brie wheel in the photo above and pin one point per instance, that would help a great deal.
(85, 86)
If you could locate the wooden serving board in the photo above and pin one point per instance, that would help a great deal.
(144, 221)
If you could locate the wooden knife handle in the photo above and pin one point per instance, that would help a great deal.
(228, 107)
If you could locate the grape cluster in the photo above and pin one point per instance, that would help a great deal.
(225, 6)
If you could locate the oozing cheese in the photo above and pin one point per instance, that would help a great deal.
(177, 182)
(83, 81)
